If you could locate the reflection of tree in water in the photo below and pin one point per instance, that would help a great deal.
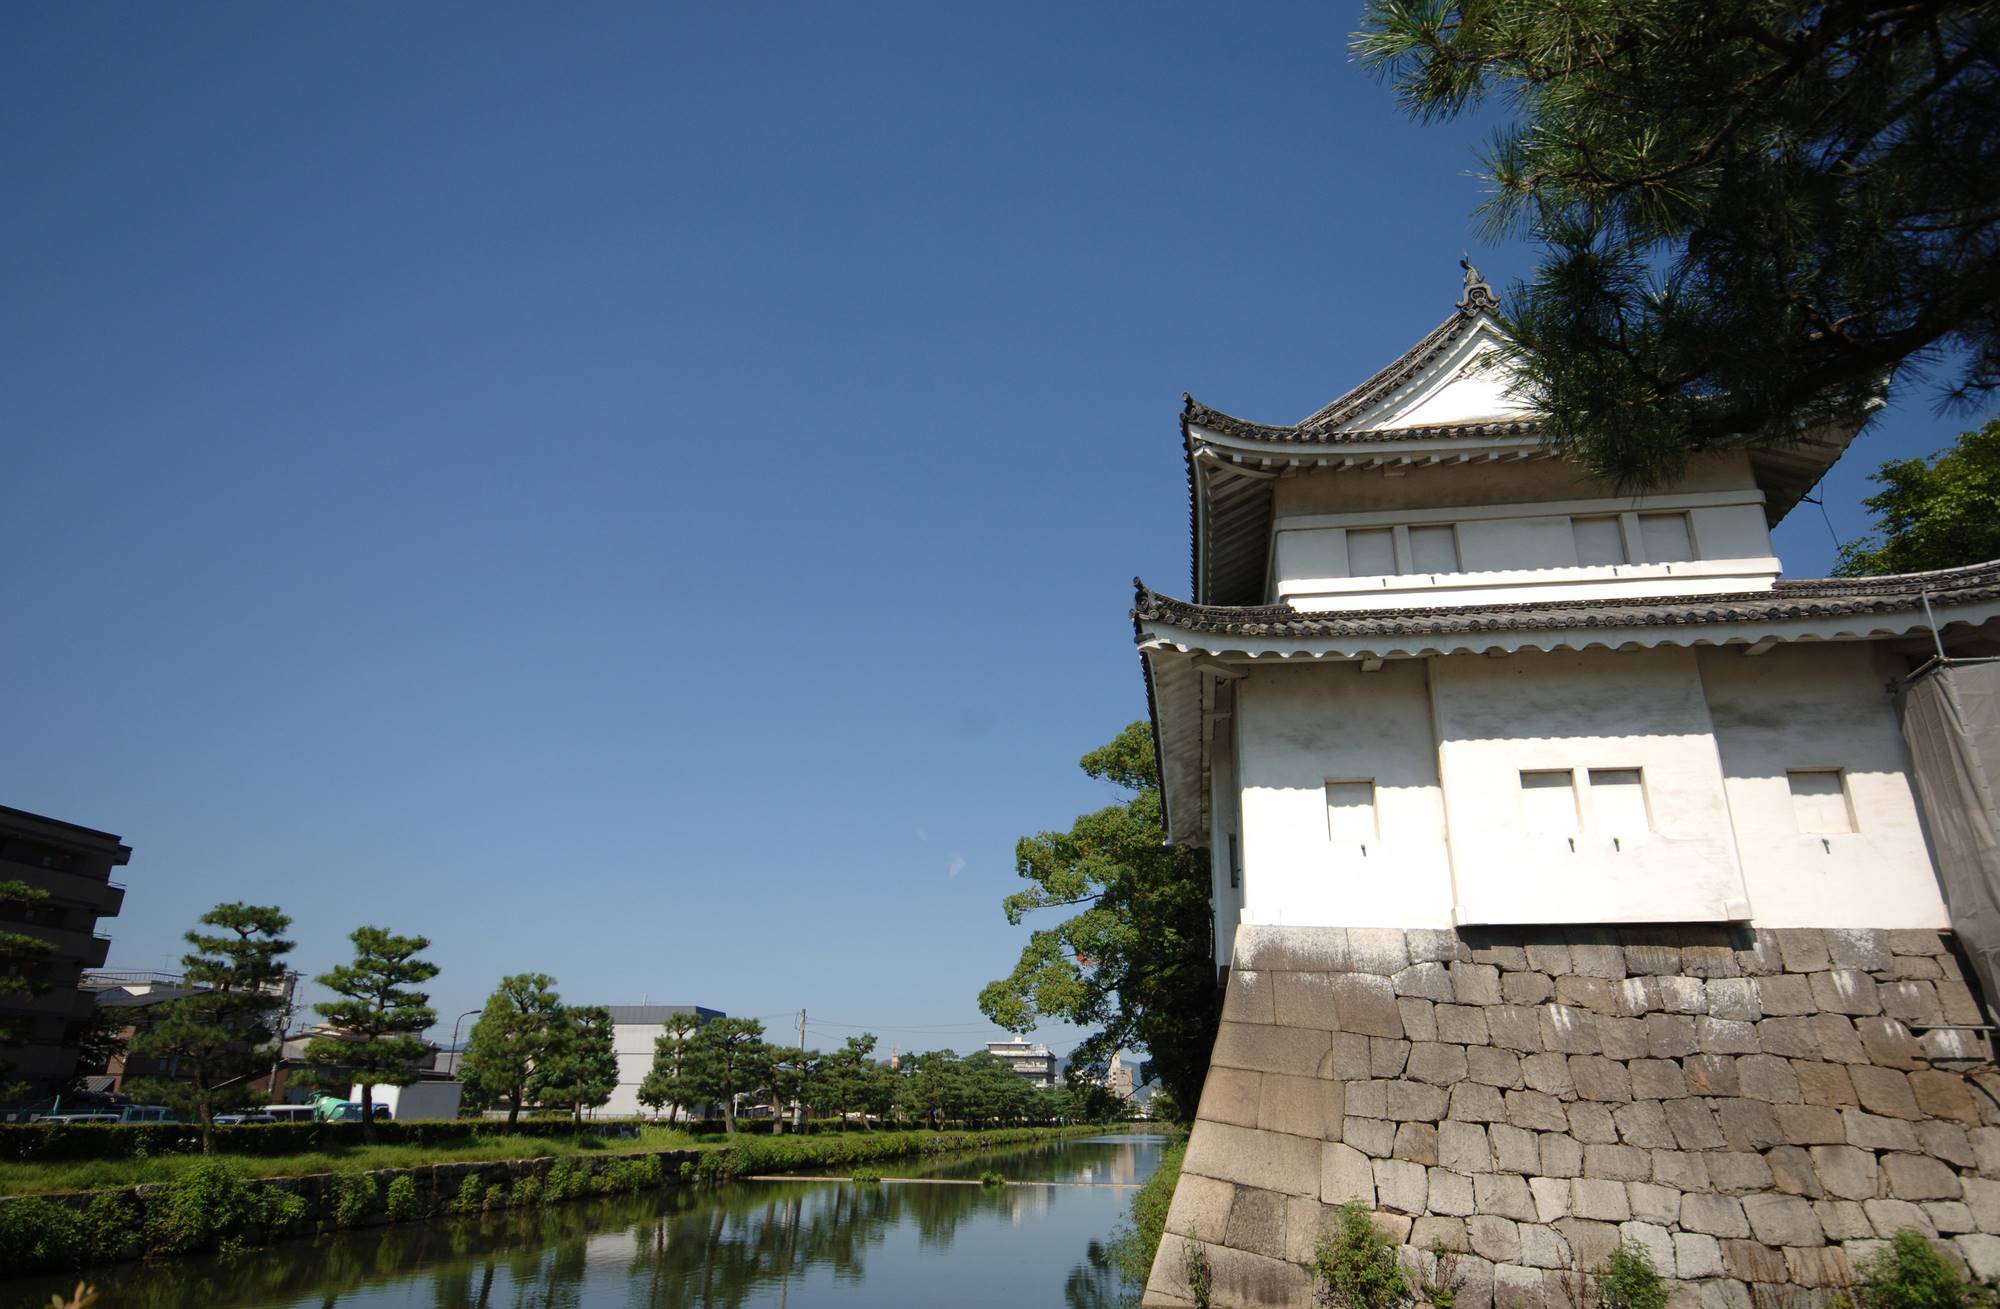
(1096, 1283)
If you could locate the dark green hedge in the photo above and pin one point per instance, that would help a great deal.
(64, 1142)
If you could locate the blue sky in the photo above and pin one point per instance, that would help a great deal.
(647, 493)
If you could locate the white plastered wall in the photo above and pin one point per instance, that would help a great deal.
(1821, 707)
(1645, 710)
(1302, 727)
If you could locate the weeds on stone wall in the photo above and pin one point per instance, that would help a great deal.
(1437, 1277)
(1355, 1264)
(471, 1197)
(353, 1197)
(402, 1201)
(1196, 1272)
(1909, 1273)
(1627, 1280)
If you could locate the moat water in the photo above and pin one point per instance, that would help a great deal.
(808, 1243)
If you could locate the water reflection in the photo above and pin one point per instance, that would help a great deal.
(788, 1243)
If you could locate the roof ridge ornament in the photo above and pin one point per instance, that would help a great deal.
(1478, 295)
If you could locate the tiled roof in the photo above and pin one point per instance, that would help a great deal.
(1196, 414)
(1804, 598)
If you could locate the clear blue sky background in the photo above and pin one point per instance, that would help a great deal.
(647, 493)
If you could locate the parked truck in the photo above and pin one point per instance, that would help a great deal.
(417, 1101)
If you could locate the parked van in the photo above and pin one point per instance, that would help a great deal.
(148, 1113)
(289, 1113)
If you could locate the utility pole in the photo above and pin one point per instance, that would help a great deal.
(799, 1109)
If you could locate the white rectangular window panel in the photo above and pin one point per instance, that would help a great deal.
(1350, 813)
(1548, 802)
(1598, 541)
(1434, 549)
(1666, 538)
(1371, 553)
(1618, 802)
(1819, 801)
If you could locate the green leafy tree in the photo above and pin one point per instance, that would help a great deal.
(1137, 960)
(666, 1083)
(929, 1086)
(580, 1068)
(1757, 214)
(795, 1080)
(728, 1058)
(1936, 513)
(22, 958)
(853, 1081)
(379, 1014)
(521, 1020)
(217, 1038)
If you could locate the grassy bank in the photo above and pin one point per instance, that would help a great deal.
(105, 1174)
(220, 1203)
(749, 1151)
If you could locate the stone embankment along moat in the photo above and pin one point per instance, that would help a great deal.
(1757, 1109)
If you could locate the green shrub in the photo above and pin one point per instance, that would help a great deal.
(989, 1178)
(402, 1203)
(206, 1208)
(1909, 1273)
(567, 1179)
(284, 1211)
(866, 1176)
(527, 1192)
(496, 1197)
(111, 1229)
(471, 1196)
(1627, 1280)
(1355, 1263)
(353, 1197)
(37, 1234)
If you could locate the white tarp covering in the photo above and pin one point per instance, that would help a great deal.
(1951, 719)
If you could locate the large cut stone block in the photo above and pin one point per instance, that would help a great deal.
(1367, 1004)
(1300, 949)
(1231, 1095)
(1304, 1000)
(1400, 1186)
(1302, 1106)
(1200, 1207)
(1247, 998)
(1272, 1160)
(1257, 1222)
(1294, 1050)
(1782, 1220)
(1345, 1174)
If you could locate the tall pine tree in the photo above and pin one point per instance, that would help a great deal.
(379, 1014)
(219, 1037)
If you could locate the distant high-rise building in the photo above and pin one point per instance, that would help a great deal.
(71, 866)
(1032, 1061)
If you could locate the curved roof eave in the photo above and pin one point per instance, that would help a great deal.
(1814, 609)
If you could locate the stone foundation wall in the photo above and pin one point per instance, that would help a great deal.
(1757, 1109)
